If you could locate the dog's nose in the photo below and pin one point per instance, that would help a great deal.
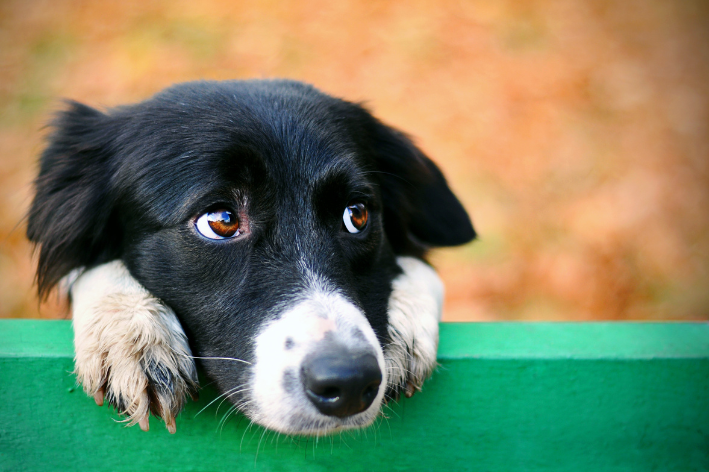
(341, 383)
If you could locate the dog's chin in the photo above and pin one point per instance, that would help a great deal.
(302, 423)
(297, 416)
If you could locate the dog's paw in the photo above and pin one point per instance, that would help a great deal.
(415, 307)
(130, 347)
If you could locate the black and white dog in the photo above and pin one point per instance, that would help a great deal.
(274, 231)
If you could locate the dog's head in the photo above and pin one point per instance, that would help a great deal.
(270, 217)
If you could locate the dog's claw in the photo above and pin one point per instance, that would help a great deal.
(145, 423)
(410, 389)
(170, 424)
(98, 397)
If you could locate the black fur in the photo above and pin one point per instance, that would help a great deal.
(130, 182)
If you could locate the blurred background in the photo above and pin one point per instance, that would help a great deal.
(575, 132)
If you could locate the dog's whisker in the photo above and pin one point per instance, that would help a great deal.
(258, 446)
(221, 359)
(221, 420)
(209, 383)
(226, 397)
(224, 419)
(391, 410)
(248, 428)
(217, 398)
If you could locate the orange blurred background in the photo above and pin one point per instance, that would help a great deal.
(576, 133)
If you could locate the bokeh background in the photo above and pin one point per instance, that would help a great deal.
(575, 132)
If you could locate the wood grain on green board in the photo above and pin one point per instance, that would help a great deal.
(507, 396)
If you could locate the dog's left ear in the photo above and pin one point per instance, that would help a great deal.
(71, 219)
(420, 210)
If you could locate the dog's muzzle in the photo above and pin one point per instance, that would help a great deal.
(319, 368)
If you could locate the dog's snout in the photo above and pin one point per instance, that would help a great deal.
(341, 383)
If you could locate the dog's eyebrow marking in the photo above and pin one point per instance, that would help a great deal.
(348, 168)
(289, 344)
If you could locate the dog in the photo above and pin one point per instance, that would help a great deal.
(274, 231)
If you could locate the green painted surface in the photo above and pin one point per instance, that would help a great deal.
(518, 397)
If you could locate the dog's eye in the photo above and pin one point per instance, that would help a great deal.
(218, 224)
(355, 217)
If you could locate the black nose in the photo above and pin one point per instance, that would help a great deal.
(341, 383)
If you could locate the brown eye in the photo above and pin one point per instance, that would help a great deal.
(355, 217)
(218, 224)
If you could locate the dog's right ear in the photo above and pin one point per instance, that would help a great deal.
(420, 210)
(70, 220)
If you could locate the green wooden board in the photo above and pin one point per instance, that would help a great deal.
(507, 396)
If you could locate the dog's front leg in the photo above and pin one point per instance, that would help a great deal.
(415, 307)
(130, 347)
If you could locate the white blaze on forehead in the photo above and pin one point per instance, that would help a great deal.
(279, 400)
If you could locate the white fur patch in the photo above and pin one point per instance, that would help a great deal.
(284, 343)
(129, 344)
(415, 308)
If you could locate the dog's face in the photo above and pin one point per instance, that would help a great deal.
(269, 216)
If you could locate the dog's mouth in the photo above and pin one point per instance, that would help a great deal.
(335, 413)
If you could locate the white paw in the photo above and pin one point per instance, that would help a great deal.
(415, 307)
(130, 347)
